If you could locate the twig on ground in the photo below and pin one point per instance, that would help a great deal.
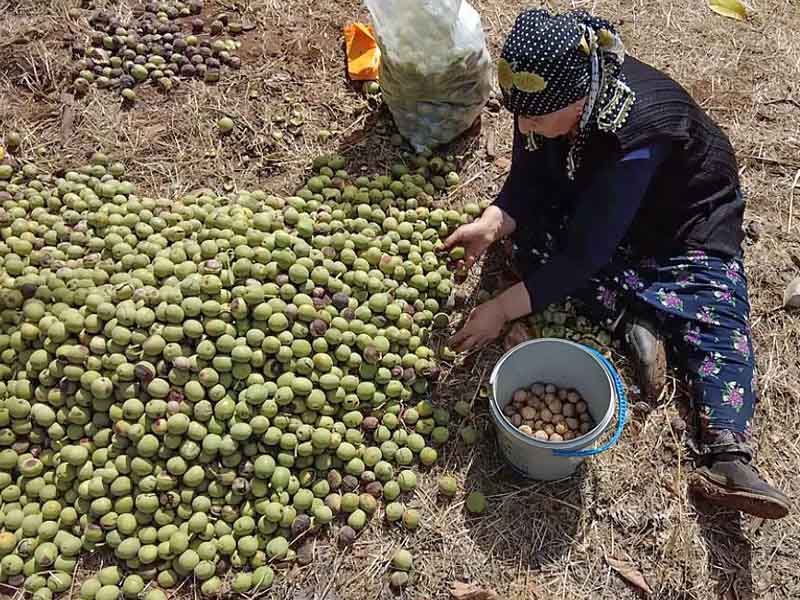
(791, 201)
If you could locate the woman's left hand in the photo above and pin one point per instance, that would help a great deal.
(483, 325)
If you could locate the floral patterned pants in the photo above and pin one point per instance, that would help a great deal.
(700, 302)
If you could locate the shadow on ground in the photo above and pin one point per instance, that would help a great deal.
(533, 523)
(369, 147)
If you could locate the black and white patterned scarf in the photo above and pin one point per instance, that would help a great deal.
(551, 61)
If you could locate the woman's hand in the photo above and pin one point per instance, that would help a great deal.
(483, 326)
(486, 322)
(475, 237)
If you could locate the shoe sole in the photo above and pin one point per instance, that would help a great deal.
(745, 502)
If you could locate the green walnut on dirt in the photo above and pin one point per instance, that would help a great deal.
(195, 385)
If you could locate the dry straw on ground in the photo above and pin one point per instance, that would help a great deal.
(537, 540)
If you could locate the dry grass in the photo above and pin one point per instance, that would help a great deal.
(537, 540)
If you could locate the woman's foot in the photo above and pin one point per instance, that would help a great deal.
(729, 480)
(646, 348)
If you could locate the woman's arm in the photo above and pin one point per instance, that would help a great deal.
(498, 222)
(601, 220)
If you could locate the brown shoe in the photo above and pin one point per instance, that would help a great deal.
(649, 355)
(729, 480)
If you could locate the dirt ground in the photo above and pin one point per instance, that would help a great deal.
(537, 540)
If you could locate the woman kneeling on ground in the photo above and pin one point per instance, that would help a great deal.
(624, 195)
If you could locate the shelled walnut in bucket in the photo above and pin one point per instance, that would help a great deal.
(549, 413)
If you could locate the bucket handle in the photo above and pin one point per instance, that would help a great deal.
(622, 412)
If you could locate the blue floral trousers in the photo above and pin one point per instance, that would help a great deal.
(700, 303)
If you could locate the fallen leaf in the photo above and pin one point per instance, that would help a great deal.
(471, 591)
(67, 117)
(629, 573)
(25, 38)
(733, 9)
(491, 147)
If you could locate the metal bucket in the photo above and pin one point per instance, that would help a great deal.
(564, 364)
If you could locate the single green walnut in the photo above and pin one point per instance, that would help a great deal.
(402, 560)
(225, 125)
(476, 503)
(462, 408)
(394, 511)
(448, 486)
(470, 435)
(411, 519)
(407, 480)
(399, 580)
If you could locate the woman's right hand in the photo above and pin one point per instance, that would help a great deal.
(475, 237)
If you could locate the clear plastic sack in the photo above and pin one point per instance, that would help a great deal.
(435, 72)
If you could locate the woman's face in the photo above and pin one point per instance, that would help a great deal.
(553, 125)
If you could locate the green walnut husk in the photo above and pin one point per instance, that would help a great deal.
(196, 382)
(476, 503)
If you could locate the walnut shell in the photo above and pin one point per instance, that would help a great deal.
(520, 395)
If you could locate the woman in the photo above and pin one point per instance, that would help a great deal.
(624, 195)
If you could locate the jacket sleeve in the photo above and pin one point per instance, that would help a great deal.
(603, 214)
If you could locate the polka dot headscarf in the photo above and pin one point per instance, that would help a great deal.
(551, 61)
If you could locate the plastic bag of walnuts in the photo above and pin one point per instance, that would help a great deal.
(435, 69)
